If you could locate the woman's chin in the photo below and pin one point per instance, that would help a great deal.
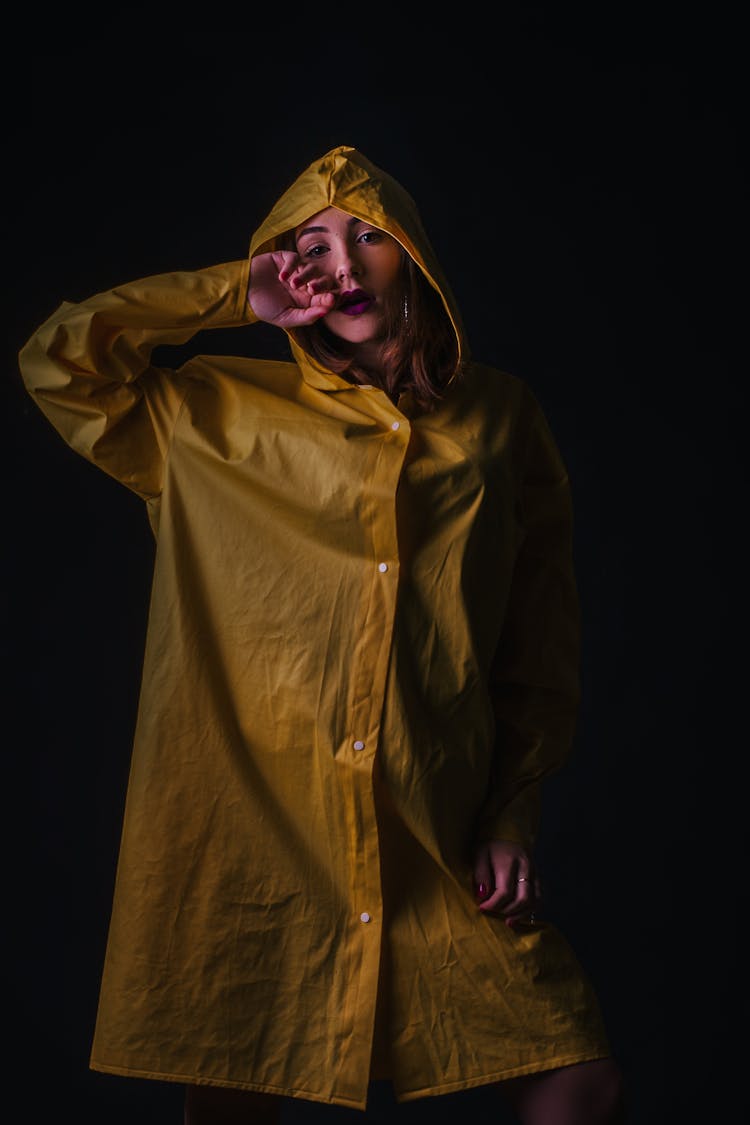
(363, 329)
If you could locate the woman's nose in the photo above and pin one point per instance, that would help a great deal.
(348, 266)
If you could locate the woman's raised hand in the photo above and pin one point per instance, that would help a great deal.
(286, 291)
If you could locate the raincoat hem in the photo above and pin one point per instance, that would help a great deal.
(251, 1087)
(537, 1067)
(400, 1096)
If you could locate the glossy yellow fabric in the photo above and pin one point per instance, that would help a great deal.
(362, 657)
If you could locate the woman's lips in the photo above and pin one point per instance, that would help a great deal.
(356, 302)
(357, 308)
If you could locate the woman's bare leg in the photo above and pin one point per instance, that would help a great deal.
(218, 1105)
(589, 1093)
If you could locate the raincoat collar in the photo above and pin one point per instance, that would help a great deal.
(346, 179)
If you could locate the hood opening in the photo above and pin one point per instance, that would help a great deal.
(346, 179)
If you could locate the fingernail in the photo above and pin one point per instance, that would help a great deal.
(482, 891)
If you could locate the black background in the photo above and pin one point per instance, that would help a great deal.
(579, 176)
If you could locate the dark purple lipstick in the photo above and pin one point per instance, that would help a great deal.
(355, 302)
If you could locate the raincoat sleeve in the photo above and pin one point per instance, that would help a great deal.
(88, 366)
(535, 676)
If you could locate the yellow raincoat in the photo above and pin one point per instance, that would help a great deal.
(362, 657)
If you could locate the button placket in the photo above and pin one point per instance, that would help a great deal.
(370, 661)
(367, 695)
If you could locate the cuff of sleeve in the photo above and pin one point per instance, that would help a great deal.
(243, 310)
(516, 820)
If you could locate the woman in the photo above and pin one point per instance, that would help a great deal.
(361, 663)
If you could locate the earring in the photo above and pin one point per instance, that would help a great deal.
(406, 309)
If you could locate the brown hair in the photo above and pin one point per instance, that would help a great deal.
(419, 352)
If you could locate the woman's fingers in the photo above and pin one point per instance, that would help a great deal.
(286, 291)
(523, 902)
(484, 883)
(526, 901)
(286, 263)
(319, 285)
(506, 881)
(302, 275)
(493, 874)
(303, 286)
(298, 317)
(323, 301)
(509, 896)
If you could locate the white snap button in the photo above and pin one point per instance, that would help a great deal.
(395, 425)
(359, 745)
(382, 567)
(364, 917)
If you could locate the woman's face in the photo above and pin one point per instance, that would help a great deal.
(359, 263)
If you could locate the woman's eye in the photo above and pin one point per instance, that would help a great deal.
(313, 251)
(371, 236)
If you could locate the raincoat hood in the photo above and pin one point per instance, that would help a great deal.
(346, 179)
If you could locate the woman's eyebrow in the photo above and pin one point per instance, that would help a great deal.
(325, 230)
(312, 230)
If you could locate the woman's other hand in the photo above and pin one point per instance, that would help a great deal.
(286, 291)
(506, 881)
